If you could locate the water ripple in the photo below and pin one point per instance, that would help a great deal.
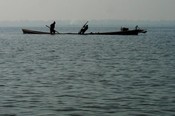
(87, 75)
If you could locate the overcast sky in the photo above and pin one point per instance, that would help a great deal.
(87, 10)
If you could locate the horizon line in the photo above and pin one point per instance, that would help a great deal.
(113, 22)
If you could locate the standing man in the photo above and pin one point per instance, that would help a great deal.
(52, 28)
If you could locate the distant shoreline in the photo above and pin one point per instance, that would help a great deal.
(94, 23)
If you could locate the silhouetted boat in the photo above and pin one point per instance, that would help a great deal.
(128, 32)
(27, 31)
(141, 31)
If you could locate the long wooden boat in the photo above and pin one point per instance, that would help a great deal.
(128, 32)
(27, 31)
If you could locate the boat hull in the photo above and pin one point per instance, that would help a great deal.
(129, 32)
(27, 31)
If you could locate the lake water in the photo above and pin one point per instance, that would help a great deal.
(74, 75)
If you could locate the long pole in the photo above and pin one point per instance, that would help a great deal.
(49, 28)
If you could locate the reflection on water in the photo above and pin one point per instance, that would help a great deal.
(65, 75)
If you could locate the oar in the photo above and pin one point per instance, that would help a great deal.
(85, 24)
(49, 28)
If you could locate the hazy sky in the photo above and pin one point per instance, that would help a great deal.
(87, 9)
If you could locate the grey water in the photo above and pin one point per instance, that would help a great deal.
(74, 75)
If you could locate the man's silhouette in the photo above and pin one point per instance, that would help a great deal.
(52, 28)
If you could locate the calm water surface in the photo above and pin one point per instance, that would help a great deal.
(70, 75)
